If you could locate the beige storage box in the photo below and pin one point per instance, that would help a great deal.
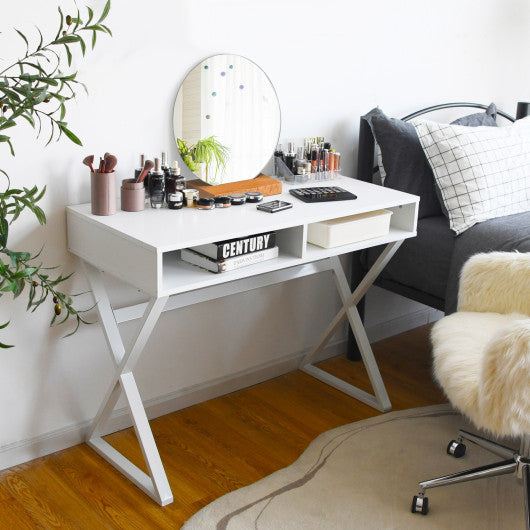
(346, 230)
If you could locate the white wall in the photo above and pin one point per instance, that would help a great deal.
(329, 61)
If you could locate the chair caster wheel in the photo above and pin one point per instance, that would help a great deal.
(456, 449)
(420, 504)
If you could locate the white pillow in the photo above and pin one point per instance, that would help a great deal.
(482, 172)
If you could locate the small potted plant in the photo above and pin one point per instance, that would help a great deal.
(201, 157)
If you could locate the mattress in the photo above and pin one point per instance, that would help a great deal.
(422, 262)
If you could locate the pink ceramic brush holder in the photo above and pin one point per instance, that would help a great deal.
(132, 195)
(103, 193)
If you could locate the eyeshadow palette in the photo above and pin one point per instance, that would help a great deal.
(322, 194)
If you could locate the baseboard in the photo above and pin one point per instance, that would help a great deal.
(53, 441)
(402, 323)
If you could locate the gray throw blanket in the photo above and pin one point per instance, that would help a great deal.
(502, 234)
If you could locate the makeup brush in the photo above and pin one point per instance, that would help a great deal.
(148, 166)
(88, 161)
(110, 163)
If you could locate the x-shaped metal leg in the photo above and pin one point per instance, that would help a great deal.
(154, 484)
(380, 400)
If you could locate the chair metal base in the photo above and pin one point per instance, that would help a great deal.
(517, 462)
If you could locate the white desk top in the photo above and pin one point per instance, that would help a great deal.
(166, 230)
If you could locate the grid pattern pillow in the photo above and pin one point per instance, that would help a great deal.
(482, 172)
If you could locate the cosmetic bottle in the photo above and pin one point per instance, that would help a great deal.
(290, 157)
(163, 166)
(308, 142)
(314, 158)
(332, 160)
(174, 180)
(325, 159)
(336, 162)
(300, 162)
(278, 153)
(157, 186)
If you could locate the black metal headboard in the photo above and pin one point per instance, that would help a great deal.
(365, 164)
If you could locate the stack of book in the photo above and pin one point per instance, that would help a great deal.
(232, 254)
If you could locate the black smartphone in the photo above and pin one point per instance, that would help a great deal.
(274, 206)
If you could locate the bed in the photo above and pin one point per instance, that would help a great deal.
(426, 268)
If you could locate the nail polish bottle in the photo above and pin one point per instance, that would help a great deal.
(290, 157)
(157, 186)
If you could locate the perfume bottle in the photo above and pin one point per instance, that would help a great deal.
(157, 186)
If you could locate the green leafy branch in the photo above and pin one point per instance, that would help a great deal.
(35, 80)
(36, 90)
(20, 270)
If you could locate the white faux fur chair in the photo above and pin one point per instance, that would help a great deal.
(482, 360)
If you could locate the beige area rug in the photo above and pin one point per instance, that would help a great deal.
(363, 475)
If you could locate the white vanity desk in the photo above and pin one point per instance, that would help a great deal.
(142, 249)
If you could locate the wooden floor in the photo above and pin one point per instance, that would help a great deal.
(211, 448)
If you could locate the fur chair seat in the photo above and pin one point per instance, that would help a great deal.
(482, 352)
(482, 361)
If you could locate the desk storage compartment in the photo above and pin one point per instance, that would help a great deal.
(346, 230)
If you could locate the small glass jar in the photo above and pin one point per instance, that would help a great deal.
(206, 204)
(175, 200)
(222, 202)
(191, 197)
(238, 199)
(254, 196)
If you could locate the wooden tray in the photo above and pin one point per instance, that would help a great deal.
(263, 183)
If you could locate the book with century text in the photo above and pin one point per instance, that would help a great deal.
(237, 247)
(228, 264)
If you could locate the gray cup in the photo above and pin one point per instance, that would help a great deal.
(103, 193)
(132, 195)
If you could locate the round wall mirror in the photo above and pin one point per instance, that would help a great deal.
(226, 119)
